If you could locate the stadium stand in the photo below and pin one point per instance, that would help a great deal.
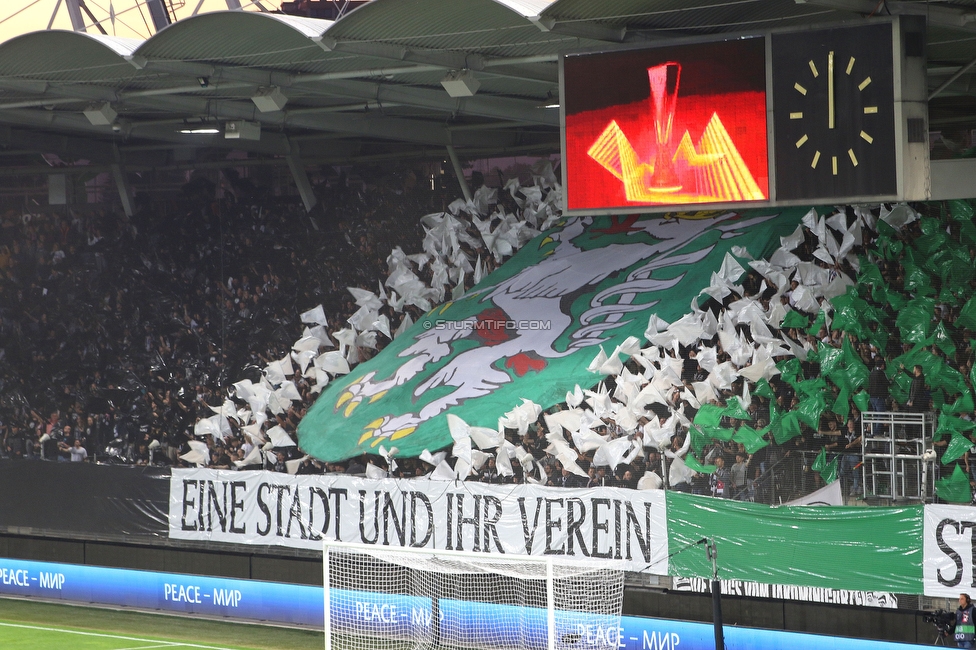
(119, 331)
(129, 336)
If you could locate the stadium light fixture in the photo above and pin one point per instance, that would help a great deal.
(241, 130)
(269, 100)
(200, 131)
(100, 114)
(460, 83)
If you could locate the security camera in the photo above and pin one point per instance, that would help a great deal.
(116, 128)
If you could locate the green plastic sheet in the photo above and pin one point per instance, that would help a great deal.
(819, 322)
(898, 387)
(718, 433)
(789, 369)
(751, 439)
(967, 232)
(917, 281)
(929, 226)
(931, 242)
(695, 465)
(856, 373)
(955, 487)
(961, 210)
(870, 274)
(895, 299)
(810, 387)
(811, 409)
(795, 319)
(951, 425)
(786, 428)
(734, 410)
(829, 473)
(957, 447)
(763, 389)
(831, 358)
(709, 415)
(820, 462)
(948, 378)
(851, 314)
(886, 244)
(872, 549)
(962, 404)
(967, 315)
(914, 320)
(943, 340)
(842, 405)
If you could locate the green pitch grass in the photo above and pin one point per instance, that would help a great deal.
(41, 626)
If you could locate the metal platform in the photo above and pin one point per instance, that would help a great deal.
(893, 466)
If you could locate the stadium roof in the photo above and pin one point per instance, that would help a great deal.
(368, 85)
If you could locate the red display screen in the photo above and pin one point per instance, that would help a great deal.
(677, 125)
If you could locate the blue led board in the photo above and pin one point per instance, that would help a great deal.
(173, 593)
(480, 624)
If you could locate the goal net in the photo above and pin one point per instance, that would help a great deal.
(392, 598)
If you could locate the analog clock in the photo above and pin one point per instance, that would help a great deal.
(833, 113)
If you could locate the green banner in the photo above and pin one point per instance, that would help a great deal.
(869, 549)
(530, 329)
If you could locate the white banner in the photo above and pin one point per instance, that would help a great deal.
(790, 592)
(626, 527)
(949, 551)
(828, 495)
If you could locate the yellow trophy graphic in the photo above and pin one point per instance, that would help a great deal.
(711, 172)
(664, 99)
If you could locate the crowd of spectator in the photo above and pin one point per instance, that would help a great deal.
(897, 337)
(119, 334)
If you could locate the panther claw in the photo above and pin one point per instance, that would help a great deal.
(388, 429)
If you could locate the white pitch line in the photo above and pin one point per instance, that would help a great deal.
(168, 644)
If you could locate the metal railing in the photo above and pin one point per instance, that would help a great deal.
(893, 465)
(785, 479)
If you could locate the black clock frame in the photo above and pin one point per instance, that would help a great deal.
(876, 173)
(894, 166)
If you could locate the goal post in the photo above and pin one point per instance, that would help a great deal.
(397, 598)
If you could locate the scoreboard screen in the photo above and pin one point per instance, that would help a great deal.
(669, 126)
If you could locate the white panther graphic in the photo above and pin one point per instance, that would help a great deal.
(537, 292)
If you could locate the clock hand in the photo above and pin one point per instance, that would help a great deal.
(830, 90)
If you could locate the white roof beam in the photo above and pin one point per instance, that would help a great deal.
(951, 17)
(580, 29)
(366, 125)
(500, 108)
(59, 94)
(444, 60)
(271, 143)
(513, 67)
(382, 127)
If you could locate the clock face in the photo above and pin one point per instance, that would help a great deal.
(833, 111)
